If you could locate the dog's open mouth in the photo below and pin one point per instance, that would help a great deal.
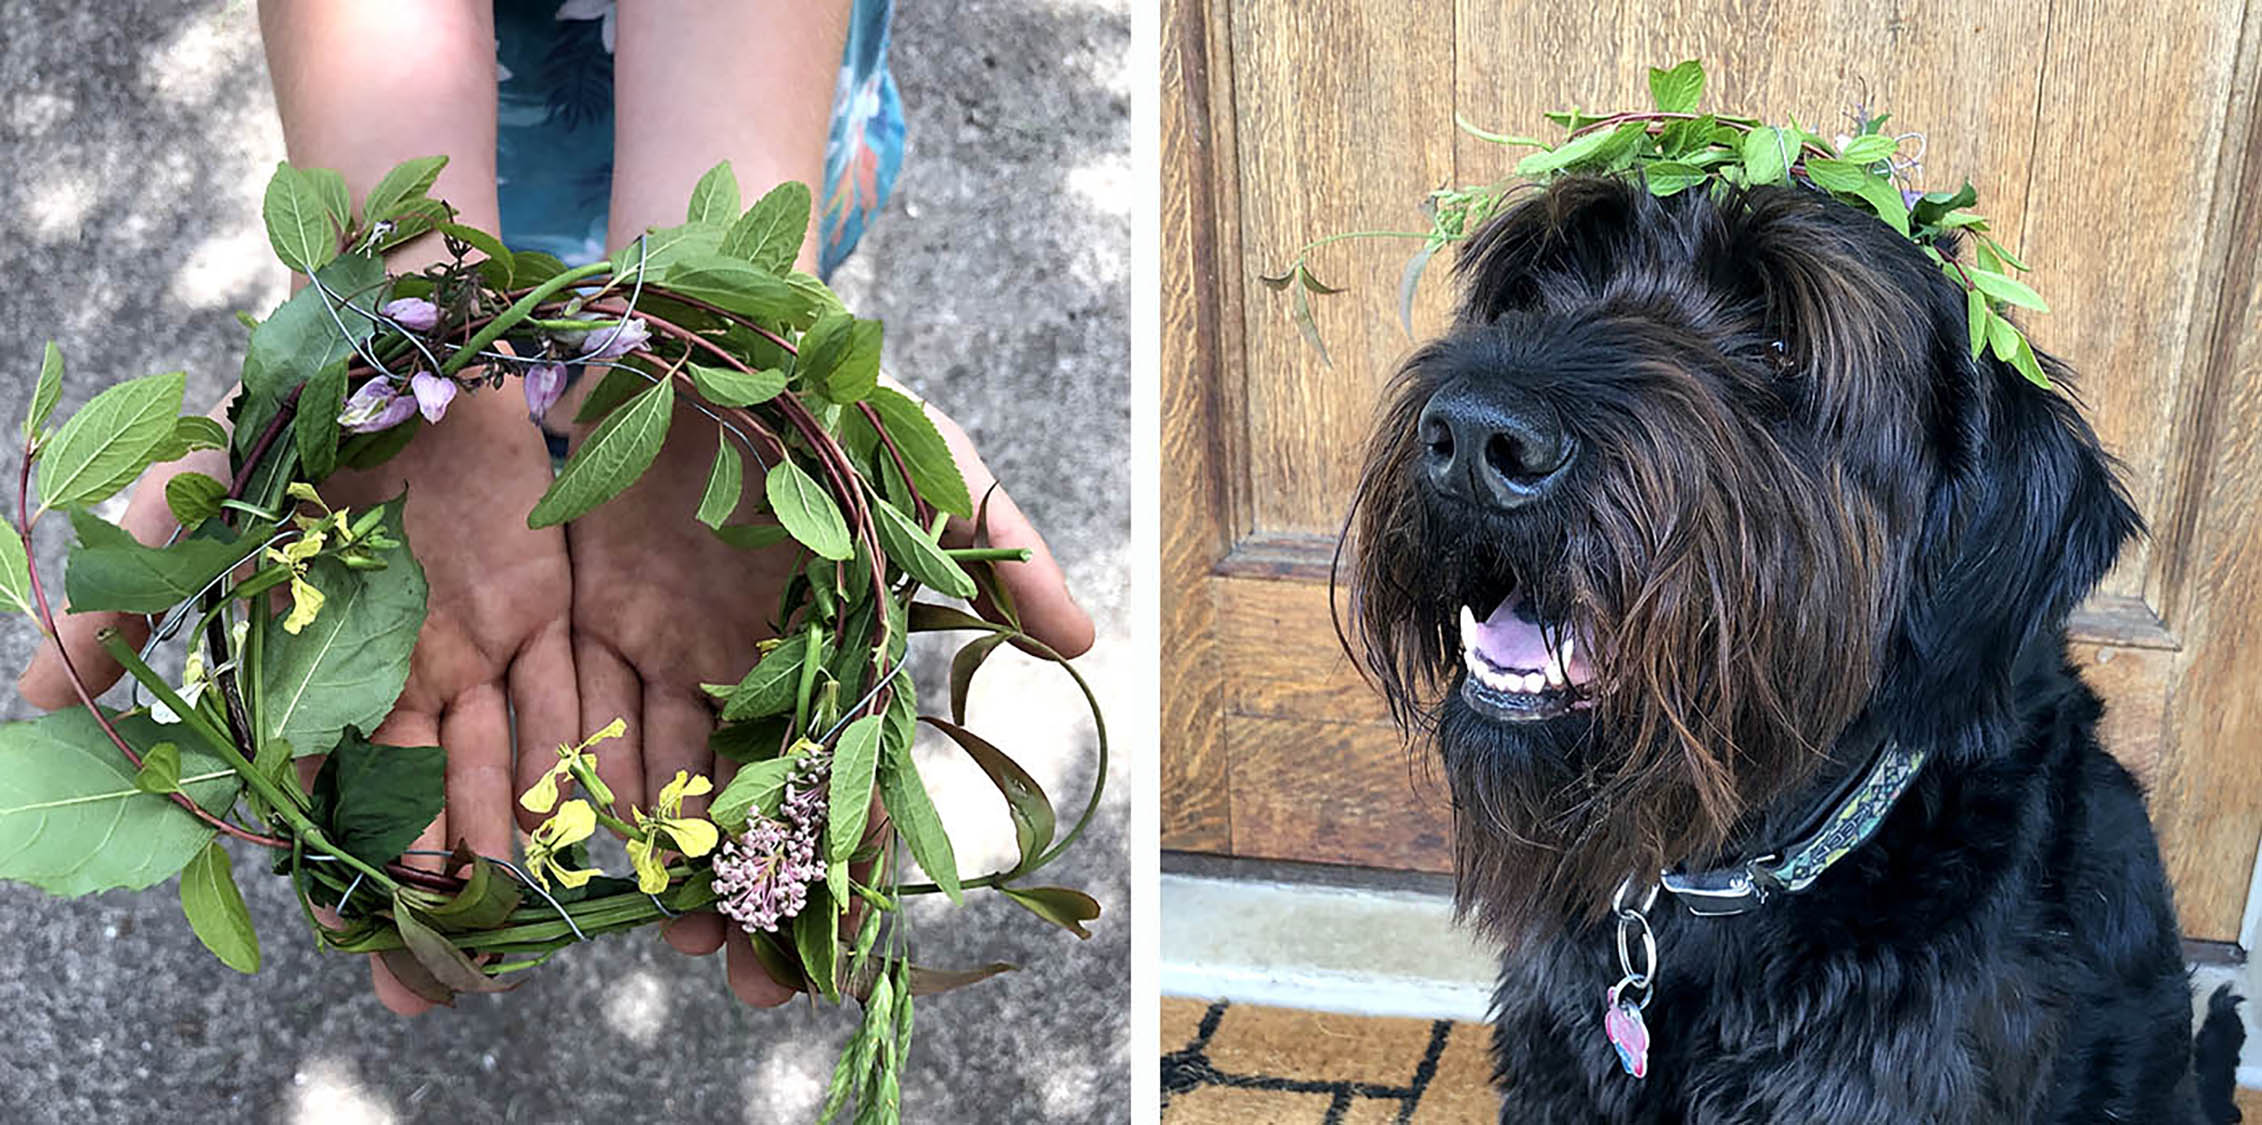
(1520, 668)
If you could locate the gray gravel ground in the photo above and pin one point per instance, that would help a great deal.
(136, 138)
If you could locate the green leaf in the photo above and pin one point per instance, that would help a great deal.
(753, 536)
(2004, 253)
(1768, 152)
(757, 788)
(913, 814)
(1836, 175)
(1671, 177)
(1977, 315)
(2003, 337)
(1869, 149)
(347, 667)
(768, 687)
(298, 219)
(447, 965)
(1300, 315)
(2026, 363)
(2006, 290)
(110, 569)
(194, 497)
(770, 233)
(856, 760)
(840, 357)
(484, 902)
(618, 386)
(15, 571)
(1577, 150)
(111, 439)
(506, 263)
(725, 386)
(736, 286)
(1025, 800)
(662, 248)
(1058, 905)
(192, 432)
(1678, 90)
(160, 771)
(807, 511)
(1680, 138)
(215, 909)
(367, 451)
(315, 426)
(723, 484)
(967, 661)
(819, 946)
(1886, 201)
(933, 470)
(714, 199)
(46, 393)
(407, 182)
(71, 820)
(374, 800)
(301, 336)
(612, 458)
(909, 547)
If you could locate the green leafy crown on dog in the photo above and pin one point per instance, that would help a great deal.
(1673, 147)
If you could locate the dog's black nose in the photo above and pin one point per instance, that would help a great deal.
(1491, 446)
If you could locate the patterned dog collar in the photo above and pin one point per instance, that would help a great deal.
(1854, 818)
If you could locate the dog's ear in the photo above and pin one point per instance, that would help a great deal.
(2024, 518)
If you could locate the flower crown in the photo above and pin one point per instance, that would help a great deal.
(1673, 147)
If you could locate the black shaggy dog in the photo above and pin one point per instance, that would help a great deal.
(1700, 521)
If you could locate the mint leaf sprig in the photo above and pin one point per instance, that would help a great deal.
(1674, 147)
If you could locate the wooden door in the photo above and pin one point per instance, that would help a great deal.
(2116, 144)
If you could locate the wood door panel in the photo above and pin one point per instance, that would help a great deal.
(2116, 146)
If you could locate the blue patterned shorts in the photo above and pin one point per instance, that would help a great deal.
(554, 141)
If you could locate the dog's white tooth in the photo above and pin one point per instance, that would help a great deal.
(1534, 682)
(1499, 681)
(1555, 677)
(1468, 627)
(1564, 657)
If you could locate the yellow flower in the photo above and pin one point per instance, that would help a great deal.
(693, 836)
(573, 823)
(306, 601)
(579, 763)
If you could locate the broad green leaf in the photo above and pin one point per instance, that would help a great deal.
(663, 248)
(1025, 800)
(1060, 906)
(753, 536)
(533, 267)
(46, 393)
(1768, 152)
(506, 265)
(111, 570)
(725, 386)
(2003, 252)
(909, 547)
(298, 220)
(856, 760)
(367, 451)
(758, 788)
(768, 687)
(807, 511)
(374, 800)
(1678, 90)
(1836, 175)
(618, 386)
(104, 446)
(714, 199)
(192, 432)
(855, 370)
(770, 233)
(1986, 257)
(2007, 290)
(1869, 149)
(814, 293)
(1680, 138)
(2024, 359)
(194, 497)
(723, 484)
(1670, 177)
(2003, 337)
(1583, 147)
(439, 957)
(1976, 315)
(330, 186)
(1886, 201)
(612, 458)
(347, 667)
(815, 940)
(315, 426)
(407, 182)
(71, 820)
(215, 909)
(160, 771)
(485, 900)
(301, 337)
(913, 814)
(933, 469)
(726, 283)
(15, 571)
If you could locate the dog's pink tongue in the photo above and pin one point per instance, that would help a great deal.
(1508, 641)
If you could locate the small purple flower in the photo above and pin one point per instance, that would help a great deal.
(543, 383)
(614, 340)
(762, 876)
(433, 394)
(378, 405)
(413, 313)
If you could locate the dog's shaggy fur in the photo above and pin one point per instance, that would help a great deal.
(1793, 518)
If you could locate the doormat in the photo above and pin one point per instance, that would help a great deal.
(1230, 1064)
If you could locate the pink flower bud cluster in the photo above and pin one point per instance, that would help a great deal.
(762, 876)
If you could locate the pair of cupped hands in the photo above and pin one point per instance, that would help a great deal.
(557, 631)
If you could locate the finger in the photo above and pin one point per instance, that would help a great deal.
(610, 689)
(748, 980)
(1038, 586)
(394, 995)
(476, 730)
(548, 706)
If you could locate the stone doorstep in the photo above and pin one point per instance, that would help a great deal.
(1397, 953)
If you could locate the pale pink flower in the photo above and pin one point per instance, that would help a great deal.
(413, 313)
(433, 394)
(543, 383)
(378, 405)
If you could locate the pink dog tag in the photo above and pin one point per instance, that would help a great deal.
(1629, 1036)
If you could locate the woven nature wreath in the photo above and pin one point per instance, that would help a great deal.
(301, 616)
(1674, 147)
